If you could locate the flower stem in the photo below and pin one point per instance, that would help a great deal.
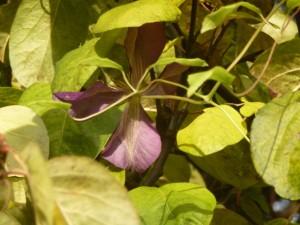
(174, 97)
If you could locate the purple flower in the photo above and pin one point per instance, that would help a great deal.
(135, 144)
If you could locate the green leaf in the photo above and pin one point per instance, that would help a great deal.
(223, 216)
(6, 192)
(136, 14)
(218, 17)
(66, 135)
(40, 186)
(177, 2)
(29, 46)
(26, 133)
(183, 61)
(275, 144)
(6, 219)
(7, 14)
(9, 96)
(212, 131)
(18, 189)
(172, 204)
(77, 66)
(232, 166)
(86, 193)
(24, 130)
(278, 30)
(280, 221)
(42, 33)
(283, 72)
(177, 169)
(250, 108)
(23, 214)
(196, 80)
(292, 4)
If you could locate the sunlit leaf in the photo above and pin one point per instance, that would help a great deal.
(40, 186)
(218, 17)
(26, 133)
(283, 73)
(136, 14)
(183, 61)
(196, 80)
(23, 129)
(78, 65)
(279, 30)
(42, 32)
(171, 204)
(275, 144)
(86, 193)
(212, 131)
(250, 108)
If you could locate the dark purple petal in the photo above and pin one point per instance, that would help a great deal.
(143, 46)
(136, 143)
(95, 99)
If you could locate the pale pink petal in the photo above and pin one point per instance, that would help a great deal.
(136, 143)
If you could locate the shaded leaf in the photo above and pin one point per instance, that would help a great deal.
(196, 80)
(136, 14)
(218, 17)
(177, 203)
(223, 216)
(275, 143)
(212, 131)
(9, 96)
(7, 14)
(177, 169)
(232, 166)
(86, 193)
(292, 4)
(6, 219)
(279, 221)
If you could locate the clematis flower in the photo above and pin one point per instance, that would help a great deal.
(135, 144)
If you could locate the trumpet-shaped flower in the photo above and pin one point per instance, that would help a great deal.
(135, 144)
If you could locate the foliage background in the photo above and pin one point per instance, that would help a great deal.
(228, 116)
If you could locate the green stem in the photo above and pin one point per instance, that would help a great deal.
(174, 97)
(245, 49)
(127, 81)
